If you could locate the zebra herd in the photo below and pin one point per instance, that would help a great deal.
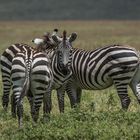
(55, 64)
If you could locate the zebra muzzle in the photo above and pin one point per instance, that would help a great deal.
(65, 70)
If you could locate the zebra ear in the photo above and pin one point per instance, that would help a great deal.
(55, 32)
(38, 41)
(72, 37)
(56, 39)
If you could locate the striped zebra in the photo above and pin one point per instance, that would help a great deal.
(60, 80)
(61, 72)
(6, 65)
(31, 75)
(101, 68)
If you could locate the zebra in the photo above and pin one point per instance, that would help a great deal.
(61, 72)
(6, 63)
(60, 65)
(60, 87)
(101, 68)
(98, 69)
(31, 75)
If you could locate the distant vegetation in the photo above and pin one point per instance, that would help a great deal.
(69, 9)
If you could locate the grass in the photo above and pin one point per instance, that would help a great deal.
(99, 117)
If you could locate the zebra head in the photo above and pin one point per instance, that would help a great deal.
(64, 51)
(46, 41)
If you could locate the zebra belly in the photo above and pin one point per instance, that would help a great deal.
(93, 86)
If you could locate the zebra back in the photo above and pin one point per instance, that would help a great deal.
(96, 69)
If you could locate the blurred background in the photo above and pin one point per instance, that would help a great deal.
(69, 9)
(97, 22)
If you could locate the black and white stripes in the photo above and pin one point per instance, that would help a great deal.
(32, 76)
(6, 63)
(103, 67)
(60, 59)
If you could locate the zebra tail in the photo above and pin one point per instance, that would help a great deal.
(25, 88)
(26, 84)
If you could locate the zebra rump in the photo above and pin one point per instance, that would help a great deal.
(31, 75)
(6, 64)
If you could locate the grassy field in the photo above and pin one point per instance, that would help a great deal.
(99, 117)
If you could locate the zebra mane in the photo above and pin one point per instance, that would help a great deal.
(64, 37)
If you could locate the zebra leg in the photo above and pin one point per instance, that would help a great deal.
(136, 90)
(38, 98)
(123, 95)
(18, 102)
(35, 113)
(13, 106)
(18, 95)
(60, 96)
(20, 113)
(72, 94)
(79, 93)
(47, 103)
(135, 84)
(15, 98)
(6, 92)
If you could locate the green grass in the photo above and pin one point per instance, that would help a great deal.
(99, 117)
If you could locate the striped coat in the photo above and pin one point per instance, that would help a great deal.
(32, 76)
(101, 68)
(6, 64)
